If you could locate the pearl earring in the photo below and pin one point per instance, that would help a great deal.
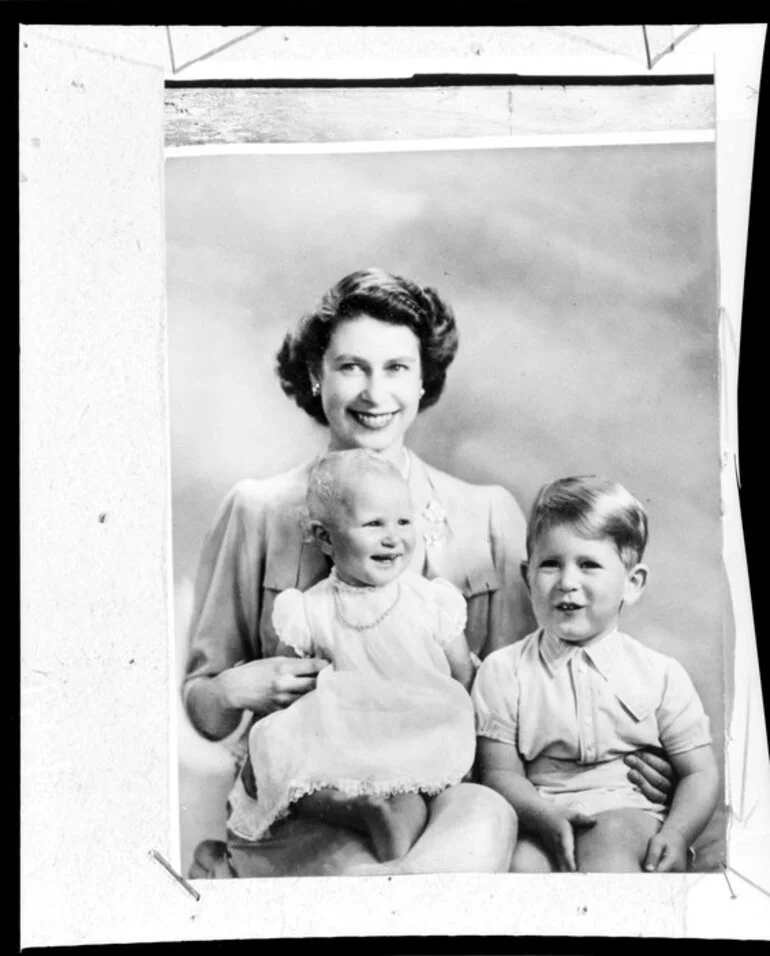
(315, 388)
(422, 392)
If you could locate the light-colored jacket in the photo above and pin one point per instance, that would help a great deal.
(256, 549)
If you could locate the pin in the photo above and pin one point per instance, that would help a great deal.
(180, 879)
(745, 879)
(727, 880)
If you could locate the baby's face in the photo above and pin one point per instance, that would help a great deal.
(372, 533)
(578, 585)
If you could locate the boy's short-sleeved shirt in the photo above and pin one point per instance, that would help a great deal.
(573, 712)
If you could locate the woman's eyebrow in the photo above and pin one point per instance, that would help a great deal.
(349, 357)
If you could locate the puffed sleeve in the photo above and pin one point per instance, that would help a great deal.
(495, 697)
(225, 618)
(682, 721)
(290, 622)
(510, 611)
(451, 610)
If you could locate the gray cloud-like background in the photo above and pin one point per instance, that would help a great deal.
(584, 284)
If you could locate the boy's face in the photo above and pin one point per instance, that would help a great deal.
(578, 585)
(372, 533)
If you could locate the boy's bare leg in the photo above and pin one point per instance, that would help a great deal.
(530, 856)
(392, 823)
(617, 843)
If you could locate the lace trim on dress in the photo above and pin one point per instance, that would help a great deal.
(351, 788)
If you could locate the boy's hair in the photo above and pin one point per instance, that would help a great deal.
(597, 508)
(334, 479)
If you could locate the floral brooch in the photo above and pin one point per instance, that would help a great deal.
(434, 523)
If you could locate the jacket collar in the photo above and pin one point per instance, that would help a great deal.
(455, 549)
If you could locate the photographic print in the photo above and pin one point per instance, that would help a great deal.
(483, 322)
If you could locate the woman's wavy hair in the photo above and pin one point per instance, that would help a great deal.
(383, 296)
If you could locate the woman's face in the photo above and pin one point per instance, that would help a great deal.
(371, 383)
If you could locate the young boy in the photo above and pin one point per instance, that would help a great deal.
(557, 712)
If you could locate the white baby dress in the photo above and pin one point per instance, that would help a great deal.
(387, 717)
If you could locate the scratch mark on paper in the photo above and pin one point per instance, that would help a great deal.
(205, 56)
(42, 35)
(674, 43)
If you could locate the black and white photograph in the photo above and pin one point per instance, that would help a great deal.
(389, 566)
(446, 509)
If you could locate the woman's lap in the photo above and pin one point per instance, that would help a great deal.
(470, 829)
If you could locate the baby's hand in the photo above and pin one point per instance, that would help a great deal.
(666, 853)
(559, 836)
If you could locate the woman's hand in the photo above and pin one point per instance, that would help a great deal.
(267, 685)
(216, 704)
(652, 774)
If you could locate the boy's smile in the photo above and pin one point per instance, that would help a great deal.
(578, 585)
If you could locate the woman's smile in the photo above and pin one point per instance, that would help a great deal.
(373, 420)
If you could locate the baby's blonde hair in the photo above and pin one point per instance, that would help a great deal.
(335, 478)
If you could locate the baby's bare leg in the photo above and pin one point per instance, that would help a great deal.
(530, 856)
(395, 824)
(392, 823)
(617, 843)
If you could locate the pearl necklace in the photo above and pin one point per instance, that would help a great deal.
(369, 625)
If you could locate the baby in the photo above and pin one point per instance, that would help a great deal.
(391, 721)
(557, 712)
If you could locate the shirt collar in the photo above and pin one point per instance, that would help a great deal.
(607, 655)
(555, 652)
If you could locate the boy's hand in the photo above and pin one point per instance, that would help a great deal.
(558, 835)
(666, 853)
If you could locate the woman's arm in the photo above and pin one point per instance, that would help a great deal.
(694, 801)
(510, 611)
(216, 704)
(218, 685)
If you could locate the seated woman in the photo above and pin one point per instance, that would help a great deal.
(365, 362)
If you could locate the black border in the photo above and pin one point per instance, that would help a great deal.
(428, 80)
